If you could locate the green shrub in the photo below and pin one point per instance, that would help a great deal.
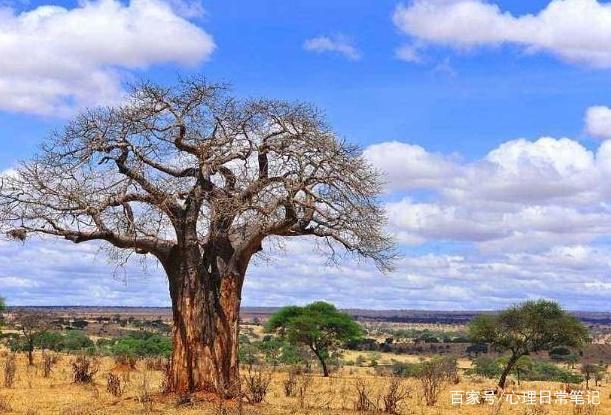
(550, 372)
(72, 340)
(486, 366)
(272, 350)
(537, 370)
(76, 340)
(441, 364)
(139, 344)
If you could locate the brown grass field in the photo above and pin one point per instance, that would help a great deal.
(32, 394)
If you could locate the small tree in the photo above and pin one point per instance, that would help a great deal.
(526, 328)
(31, 325)
(319, 326)
(565, 355)
(599, 375)
(593, 371)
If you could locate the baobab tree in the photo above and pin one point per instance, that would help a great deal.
(199, 180)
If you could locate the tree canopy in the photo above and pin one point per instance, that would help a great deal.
(319, 326)
(191, 156)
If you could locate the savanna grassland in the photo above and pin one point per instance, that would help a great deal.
(362, 381)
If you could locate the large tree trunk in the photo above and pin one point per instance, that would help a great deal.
(205, 306)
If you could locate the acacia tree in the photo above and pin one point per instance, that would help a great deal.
(31, 325)
(319, 326)
(526, 328)
(593, 371)
(199, 180)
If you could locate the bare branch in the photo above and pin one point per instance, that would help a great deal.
(190, 166)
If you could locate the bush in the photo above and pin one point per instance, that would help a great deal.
(487, 367)
(408, 370)
(84, 369)
(394, 394)
(537, 371)
(73, 340)
(290, 383)
(139, 345)
(563, 354)
(126, 361)
(156, 363)
(50, 340)
(247, 352)
(256, 384)
(114, 385)
(145, 396)
(303, 386)
(48, 361)
(360, 360)
(433, 374)
(545, 371)
(76, 340)
(10, 369)
(363, 401)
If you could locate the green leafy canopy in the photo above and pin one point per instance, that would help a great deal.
(529, 327)
(319, 325)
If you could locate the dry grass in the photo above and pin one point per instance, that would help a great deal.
(313, 395)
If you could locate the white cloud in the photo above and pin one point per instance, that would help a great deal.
(334, 44)
(529, 219)
(576, 31)
(55, 59)
(598, 121)
(535, 171)
(409, 53)
(522, 196)
(576, 275)
(410, 166)
(14, 282)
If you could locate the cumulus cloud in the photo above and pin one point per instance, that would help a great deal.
(537, 171)
(575, 275)
(522, 196)
(55, 59)
(423, 170)
(529, 219)
(598, 122)
(576, 31)
(333, 44)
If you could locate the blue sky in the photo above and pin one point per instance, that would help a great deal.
(436, 92)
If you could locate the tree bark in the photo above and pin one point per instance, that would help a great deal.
(31, 352)
(512, 361)
(323, 363)
(205, 307)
